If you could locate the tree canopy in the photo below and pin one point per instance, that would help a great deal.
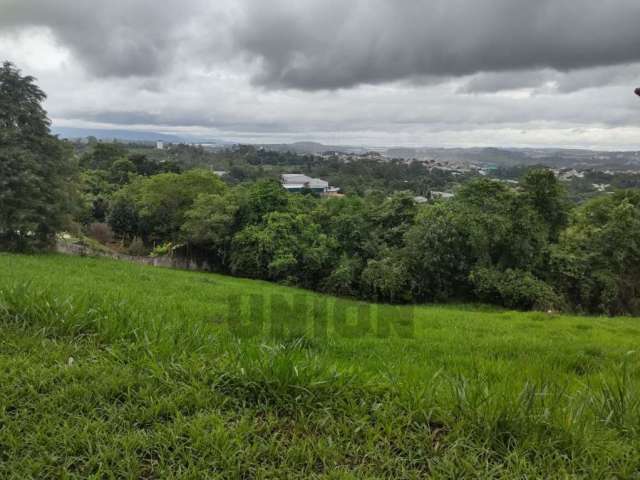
(517, 244)
(36, 170)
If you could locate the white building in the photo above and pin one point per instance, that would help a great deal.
(442, 195)
(296, 182)
(160, 145)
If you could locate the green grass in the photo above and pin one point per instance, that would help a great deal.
(115, 370)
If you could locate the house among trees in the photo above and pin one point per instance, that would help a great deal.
(442, 195)
(297, 182)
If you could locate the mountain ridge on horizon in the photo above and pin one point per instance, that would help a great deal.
(501, 156)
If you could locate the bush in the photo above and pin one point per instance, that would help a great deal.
(386, 280)
(441, 249)
(137, 248)
(101, 232)
(597, 261)
(343, 280)
(163, 250)
(514, 289)
(74, 229)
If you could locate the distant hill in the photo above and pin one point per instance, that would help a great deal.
(506, 157)
(313, 148)
(132, 136)
(552, 157)
(106, 134)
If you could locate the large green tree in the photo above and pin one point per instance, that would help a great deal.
(262, 198)
(597, 262)
(210, 224)
(103, 156)
(287, 247)
(442, 248)
(156, 206)
(548, 197)
(35, 167)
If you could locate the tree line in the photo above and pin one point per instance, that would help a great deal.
(524, 246)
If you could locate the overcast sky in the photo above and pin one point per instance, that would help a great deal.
(373, 72)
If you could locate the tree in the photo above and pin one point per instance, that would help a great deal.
(509, 231)
(386, 280)
(95, 189)
(210, 223)
(36, 171)
(597, 262)
(261, 198)
(487, 225)
(123, 217)
(103, 155)
(548, 197)
(121, 171)
(346, 220)
(345, 278)
(441, 250)
(392, 218)
(144, 166)
(162, 201)
(286, 247)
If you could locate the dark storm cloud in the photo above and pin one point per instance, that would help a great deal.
(311, 45)
(117, 38)
(327, 44)
(399, 71)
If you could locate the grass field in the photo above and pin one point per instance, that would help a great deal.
(115, 370)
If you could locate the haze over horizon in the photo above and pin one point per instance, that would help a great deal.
(507, 73)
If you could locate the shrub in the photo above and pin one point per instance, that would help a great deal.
(514, 289)
(597, 261)
(386, 280)
(441, 250)
(74, 229)
(343, 280)
(101, 232)
(163, 250)
(137, 247)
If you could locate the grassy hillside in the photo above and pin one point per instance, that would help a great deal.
(111, 369)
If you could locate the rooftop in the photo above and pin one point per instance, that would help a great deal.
(290, 178)
(292, 181)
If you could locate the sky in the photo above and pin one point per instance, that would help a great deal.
(539, 73)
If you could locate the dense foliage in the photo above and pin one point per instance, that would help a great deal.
(518, 244)
(35, 167)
